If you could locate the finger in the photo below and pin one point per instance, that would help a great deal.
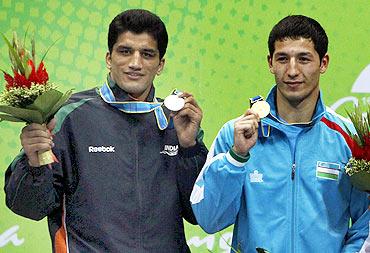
(51, 125)
(191, 112)
(253, 123)
(246, 129)
(191, 100)
(29, 149)
(191, 107)
(35, 133)
(248, 119)
(251, 112)
(33, 126)
(185, 95)
(31, 141)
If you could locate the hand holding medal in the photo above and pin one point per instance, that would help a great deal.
(186, 116)
(246, 126)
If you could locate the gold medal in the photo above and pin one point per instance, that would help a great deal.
(262, 108)
(174, 103)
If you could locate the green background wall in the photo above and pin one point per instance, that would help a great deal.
(217, 51)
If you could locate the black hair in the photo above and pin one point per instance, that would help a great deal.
(299, 26)
(139, 21)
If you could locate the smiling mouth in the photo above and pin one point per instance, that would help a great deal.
(134, 75)
(293, 83)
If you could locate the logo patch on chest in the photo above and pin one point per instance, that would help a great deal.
(101, 149)
(256, 177)
(327, 170)
(170, 150)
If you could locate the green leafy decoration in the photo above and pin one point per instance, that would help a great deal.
(29, 116)
(7, 117)
(14, 54)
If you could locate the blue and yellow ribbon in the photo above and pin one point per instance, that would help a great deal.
(135, 106)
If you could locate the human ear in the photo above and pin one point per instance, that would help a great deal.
(108, 60)
(269, 60)
(324, 64)
(161, 66)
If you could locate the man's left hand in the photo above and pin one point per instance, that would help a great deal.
(187, 121)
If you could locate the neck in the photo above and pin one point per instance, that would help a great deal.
(139, 97)
(297, 111)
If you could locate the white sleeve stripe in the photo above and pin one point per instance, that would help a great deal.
(233, 161)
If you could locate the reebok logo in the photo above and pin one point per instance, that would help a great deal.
(170, 150)
(101, 149)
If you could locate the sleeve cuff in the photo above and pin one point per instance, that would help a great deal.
(236, 159)
(190, 151)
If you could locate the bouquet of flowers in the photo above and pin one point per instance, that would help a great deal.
(358, 167)
(28, 95)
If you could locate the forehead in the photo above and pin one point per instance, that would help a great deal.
(294, 46)
(136, 40)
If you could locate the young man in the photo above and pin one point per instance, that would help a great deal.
(124, 178)
(280, 180)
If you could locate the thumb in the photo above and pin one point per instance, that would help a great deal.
(51, 124)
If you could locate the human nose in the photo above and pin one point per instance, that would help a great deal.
(135, 61)
(293, 69)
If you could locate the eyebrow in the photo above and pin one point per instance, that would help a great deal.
(299, 54)
(147, 50)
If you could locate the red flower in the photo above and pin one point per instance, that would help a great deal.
(367, 147)
(357, 151)
(40, 76)
(37, 77)
(361, 152)
(9, 79)
(20, 80)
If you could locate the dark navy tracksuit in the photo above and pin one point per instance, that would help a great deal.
(121, 184)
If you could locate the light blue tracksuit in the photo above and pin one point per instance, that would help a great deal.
(284, 200)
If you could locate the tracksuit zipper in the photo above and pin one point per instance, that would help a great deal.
(138, 191)
(294, 193)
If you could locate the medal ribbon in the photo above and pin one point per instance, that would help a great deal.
(135, 106)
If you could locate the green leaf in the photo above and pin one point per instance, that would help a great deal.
(14, 53)
(25, 36)
(7, 117)
(45, 102)
(27, 68)
(30, 116)
(59, 104)
(43, 57)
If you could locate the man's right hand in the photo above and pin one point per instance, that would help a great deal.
(35, 138)
(245, 132)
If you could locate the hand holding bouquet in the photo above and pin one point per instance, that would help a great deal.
(358, 167)
(28, 95)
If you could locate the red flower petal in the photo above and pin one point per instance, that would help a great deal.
(10, 81)
(20, 80)
(42, 74)
(32, 77)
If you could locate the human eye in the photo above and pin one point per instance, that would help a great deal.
(304, 59)
(148, 54)
(281, 59)
(124, 51)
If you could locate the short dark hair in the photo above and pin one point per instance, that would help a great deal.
(299, 26)
(139, 21)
